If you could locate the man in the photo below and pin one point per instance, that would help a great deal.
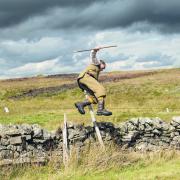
(88, 80)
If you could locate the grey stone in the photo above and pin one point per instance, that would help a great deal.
(4, 141)
(28, 137)
(141, 146)
(130, 136)
(19, 148)
(46, 134)
(134, 121)
(30, 148)
(16, 140)
(16, 155)
(155, 131)
(11, 147)
(12, 131)
(176, 138)
(176, 119)
(41, 141)
(6, 154)
(37, 131)
(6, 162)
(3, 147)
(26, 129)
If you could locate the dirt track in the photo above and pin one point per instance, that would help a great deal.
(56, 89)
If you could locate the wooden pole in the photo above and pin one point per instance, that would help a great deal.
(95, 124)
(65, 142)
(103, 47)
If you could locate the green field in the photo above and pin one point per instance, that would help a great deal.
(143, 96)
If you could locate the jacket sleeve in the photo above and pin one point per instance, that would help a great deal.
(94, 58)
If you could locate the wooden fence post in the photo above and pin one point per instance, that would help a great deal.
(65, 142)
(95, 123)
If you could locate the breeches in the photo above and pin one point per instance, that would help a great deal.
(93, 87)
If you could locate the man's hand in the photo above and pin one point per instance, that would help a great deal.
(97, 49)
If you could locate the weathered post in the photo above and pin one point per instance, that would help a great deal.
(95, 123)
(65, 142)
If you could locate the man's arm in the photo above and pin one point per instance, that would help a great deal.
(93, 57)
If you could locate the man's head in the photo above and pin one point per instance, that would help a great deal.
(102, 65)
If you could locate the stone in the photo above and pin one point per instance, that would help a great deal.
(6, 154)
(26, 129)
(12, 131)
(16, 154)
(3, 147)
(16, 140)
(4, 141)
(134, 121)
(176, 138)
(19, 148)
(46, 134)
(28, 137)
(37, 131)
(11, 147)
(155, 131)
(6, 162)
(176, 119)
(130, 136)
(41, 141)
(141, 146)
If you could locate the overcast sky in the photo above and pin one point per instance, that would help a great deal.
(39, 36)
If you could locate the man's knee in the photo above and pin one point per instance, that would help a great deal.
(101, 92)
(92, 99)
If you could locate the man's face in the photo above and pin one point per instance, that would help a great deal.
(102, 66)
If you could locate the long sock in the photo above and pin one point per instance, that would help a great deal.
(101, 98)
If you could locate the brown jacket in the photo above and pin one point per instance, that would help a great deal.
(93, 69)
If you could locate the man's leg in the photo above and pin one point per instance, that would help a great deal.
(81, 105)
(99, 92)
(101, 108)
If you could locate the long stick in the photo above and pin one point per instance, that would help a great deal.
(103, 47)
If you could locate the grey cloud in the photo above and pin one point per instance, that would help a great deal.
(17, 53)
(158, 58)
(121, 14)
(16, 11)
(158, 61)
(112, 58)
(93, 14)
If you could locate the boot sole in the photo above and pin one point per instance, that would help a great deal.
(78, 108)
(99, 114)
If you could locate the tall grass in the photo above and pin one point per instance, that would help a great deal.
(96, 164)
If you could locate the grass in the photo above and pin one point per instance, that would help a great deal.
(112, 165)
(145, 96)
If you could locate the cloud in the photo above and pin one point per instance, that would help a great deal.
(94, 14)
(52, 66)
(135, 51)
(16, 11)
(34, 68)
(35, 33)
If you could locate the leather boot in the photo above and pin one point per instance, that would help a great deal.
(81, 105)
(101, 110)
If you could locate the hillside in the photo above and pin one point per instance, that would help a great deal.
(130, 94)
(44, 100)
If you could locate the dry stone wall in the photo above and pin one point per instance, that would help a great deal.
(25, 143)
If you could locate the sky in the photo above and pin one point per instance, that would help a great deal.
(39, 37)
